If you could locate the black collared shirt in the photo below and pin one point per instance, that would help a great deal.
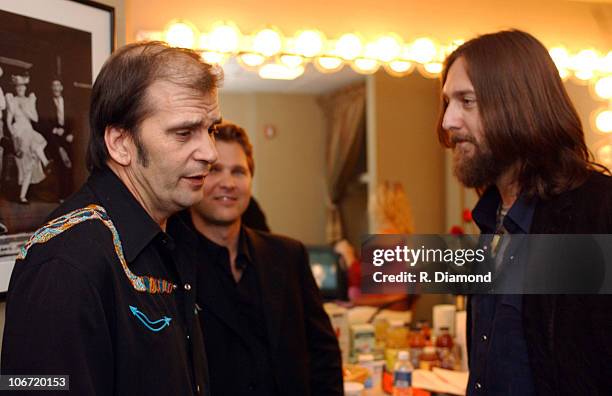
(73, 310)
(517, 221)
(253, 356)
(499, 362)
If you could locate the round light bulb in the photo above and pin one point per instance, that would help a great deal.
(560, 56)
(214, 58)
(274, 71)
(603, 121)
(606, 63)
(252, 60)
(181, 34)
(584, 75)
(584, 64)
(365, 66)
(604, 155)
(291, 61)
(387, 48)
(423, 50)
(453, 46)
(400, 66)
(603, 87)
(309, 43)
(224, 38)
(327, 64)
(433, 67)
(564, 74)
(349, 46)
(267, 42)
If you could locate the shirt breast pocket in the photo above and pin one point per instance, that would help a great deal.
(151, 323)
(151, 329)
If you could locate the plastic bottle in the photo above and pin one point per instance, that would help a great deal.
(417, 343)
(425, 330)
(429, 358)
(397, 339)
(402, 375)
(380, 332)
(444, 339)
(444, 345)
(372, 385)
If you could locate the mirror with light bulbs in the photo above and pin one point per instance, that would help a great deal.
(261, 64)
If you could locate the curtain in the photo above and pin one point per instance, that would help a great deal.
(344, 112)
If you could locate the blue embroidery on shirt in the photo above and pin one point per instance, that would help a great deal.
(156, 325)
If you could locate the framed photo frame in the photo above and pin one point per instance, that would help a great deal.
(50, 55)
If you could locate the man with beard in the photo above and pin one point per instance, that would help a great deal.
(517, 139)
(265, 329)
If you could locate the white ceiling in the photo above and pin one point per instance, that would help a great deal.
(237, 79)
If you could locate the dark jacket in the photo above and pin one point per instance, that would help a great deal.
(304, 352)
(254, 217)
(568, 337)
(47, 113)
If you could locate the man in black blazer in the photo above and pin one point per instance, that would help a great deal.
(518, 140)
(264, 326)
(57, 128)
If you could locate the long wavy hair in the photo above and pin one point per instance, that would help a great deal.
(393, 209)
(527, 116)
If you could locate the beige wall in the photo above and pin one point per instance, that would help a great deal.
(405, 145)
(120, 24)
(577, 24)
(289, 168)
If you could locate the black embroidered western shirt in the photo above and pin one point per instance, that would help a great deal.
(74, 309)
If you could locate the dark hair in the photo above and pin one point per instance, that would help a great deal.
(119, 96)
(526, 113)
(228, 132)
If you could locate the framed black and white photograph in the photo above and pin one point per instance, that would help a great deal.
(50, 54)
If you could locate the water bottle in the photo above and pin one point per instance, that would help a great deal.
(402, 375)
